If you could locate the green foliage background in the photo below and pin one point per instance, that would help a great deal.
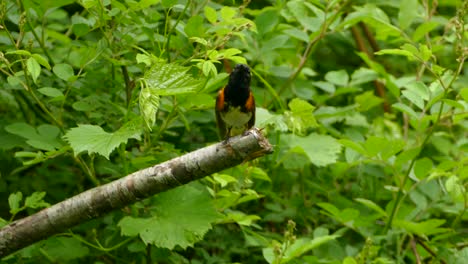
(366, 103)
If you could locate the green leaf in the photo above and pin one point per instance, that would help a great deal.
(268, 20)
(44, 138)
(23, 130)
(149, 105)
(63, 71)
(304, 245)
(405, 109)
(408, 12)
(353, 145)
(395, 52)
(370, 204)
(414, 98)
(170, 79)
(375, 145)
(227, 13)
(300, 118)
(64, 249)
(406, 156)
(300, 12)
(93, 139)
(339, 78)
(14, 201)
(33, 68)
(41, 60)
(363, 75)
(424, 228)
(423, 29)
(36, 200)
(464, 94)
(367, 101)
(19, 52)
(223, 179)
(241, 218)
(322, 150)
(194, 27)
(182, 216)
(326, 86)
(51, 92)
(422, 168)
(456, 190)
(259, 173)
(210, 15)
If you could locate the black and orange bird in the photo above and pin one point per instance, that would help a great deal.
(235, 104)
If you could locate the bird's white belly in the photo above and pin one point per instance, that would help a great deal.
(236, 118)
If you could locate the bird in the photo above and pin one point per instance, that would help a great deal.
(235, 104)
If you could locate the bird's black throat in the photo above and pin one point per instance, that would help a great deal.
(237, 90)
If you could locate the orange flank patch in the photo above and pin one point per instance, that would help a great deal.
(250, 104)
(220, 100)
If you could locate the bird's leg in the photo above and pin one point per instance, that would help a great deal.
(226, 138)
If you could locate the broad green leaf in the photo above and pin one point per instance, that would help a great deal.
(210, 14)
(194, 27)
(44, 138)
(414, 98)
(36, 200)
(265, 119)
(298, 248)
(181, 217)
(23, 130)
(170, 79)
(63, 71)
(149, 105)
(464, 94)
(93, 139)
(423, 29)
(456, 189)
(301, 13)
(406, 156)
(424, 228)
(147, 3)
(227, 13)
(300, 118)
(353, 145)
(322, 150)
(367, 101)
(41, 60)
(370, 204)
(362, 75)
(143, 58)
(326, 86)
(426, 53)
(422, 168)
(33, 68)
(267, 21)
(258, 173)
(241, 218)
(14, 201)
(376, 145)
(408, 12)
(223, 179)
(405, 109)
(64, 249)
(339, 78)
(454, 104)
(51, 92)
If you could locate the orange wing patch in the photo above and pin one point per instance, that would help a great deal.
(250, 104)
(220, 100)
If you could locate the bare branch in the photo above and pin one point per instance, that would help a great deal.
(127, 190)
